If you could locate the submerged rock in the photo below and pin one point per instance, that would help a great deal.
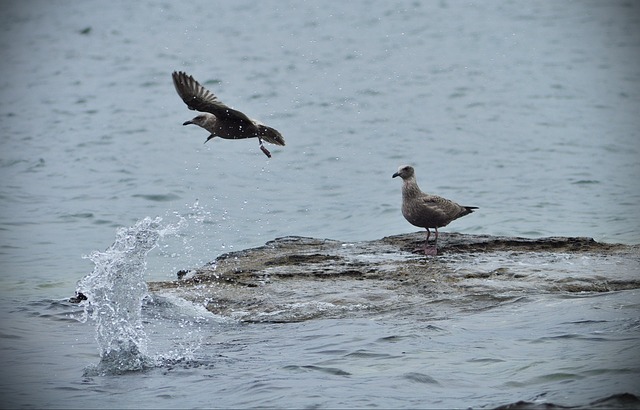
(298, 278)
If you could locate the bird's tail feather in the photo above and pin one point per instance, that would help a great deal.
(468, 210)
(271, 135)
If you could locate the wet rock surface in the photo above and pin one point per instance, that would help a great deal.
(300, 278)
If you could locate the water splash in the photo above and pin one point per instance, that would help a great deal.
(115, 290)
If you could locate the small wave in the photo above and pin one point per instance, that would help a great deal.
(585, 182)
(158, 197)
(615, 401)
(124, 355)
(420, 378)
(329, 370)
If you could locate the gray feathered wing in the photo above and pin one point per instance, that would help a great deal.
(200, 99)
(445, 209)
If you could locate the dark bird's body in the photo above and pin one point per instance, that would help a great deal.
(424, 210)
(220, 120)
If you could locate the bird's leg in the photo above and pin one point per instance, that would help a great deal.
(426, 244)
(431, 250)
(264, 149)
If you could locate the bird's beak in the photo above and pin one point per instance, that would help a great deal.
(187, 122)
(395, 175)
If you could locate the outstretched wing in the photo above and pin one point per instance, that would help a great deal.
(200, 99)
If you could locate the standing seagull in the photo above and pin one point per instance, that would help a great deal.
(427, 211)
(220, 120)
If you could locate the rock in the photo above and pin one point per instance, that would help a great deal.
(298, 278)
(79, 297)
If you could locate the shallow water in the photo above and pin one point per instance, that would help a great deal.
(584, 349)
(526, 110)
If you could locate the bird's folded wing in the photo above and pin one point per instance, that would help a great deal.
(199, 98)
(438, 204)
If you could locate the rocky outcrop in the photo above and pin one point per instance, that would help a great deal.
(299, 278)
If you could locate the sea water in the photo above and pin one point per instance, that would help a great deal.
(114, 292)
(526, 110)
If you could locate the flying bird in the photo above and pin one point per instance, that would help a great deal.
(220, 120)
(425, 210)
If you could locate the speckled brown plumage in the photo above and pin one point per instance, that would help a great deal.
(425, 210)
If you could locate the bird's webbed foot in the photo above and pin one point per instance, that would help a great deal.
(264, 149)
(430, 250)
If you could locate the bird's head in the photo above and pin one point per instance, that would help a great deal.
(200, 120)
(404, 172)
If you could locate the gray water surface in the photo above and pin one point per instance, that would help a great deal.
(526, 110)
